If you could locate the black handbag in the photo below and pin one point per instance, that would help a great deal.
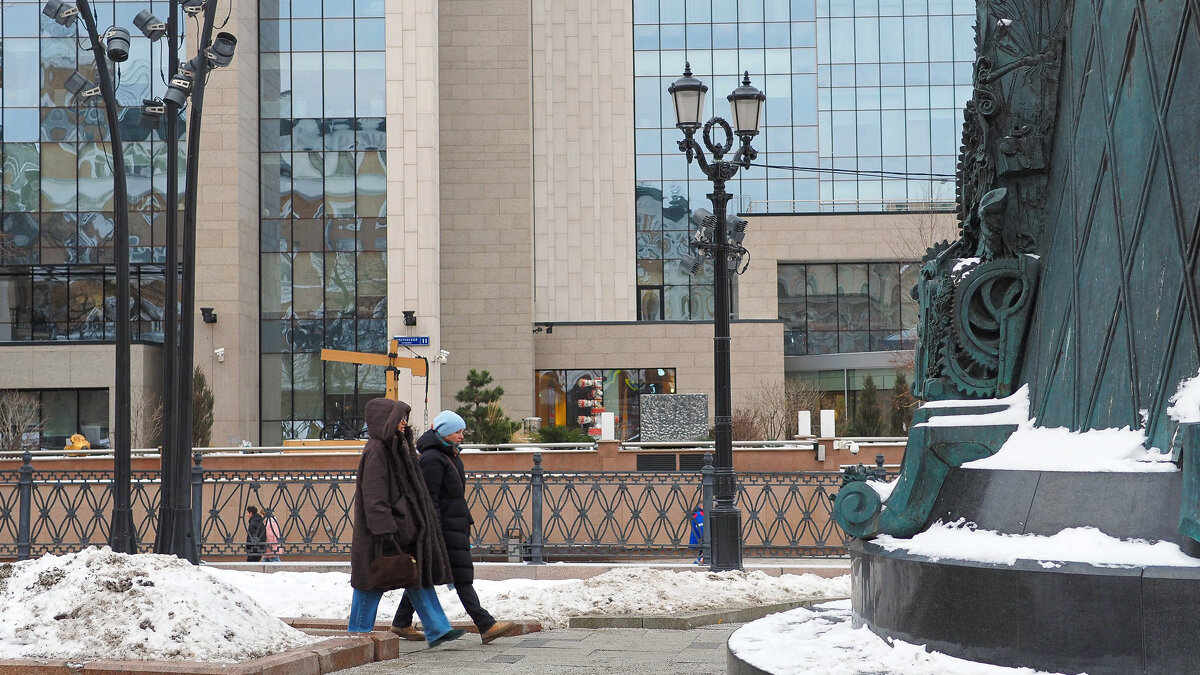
(393, 571)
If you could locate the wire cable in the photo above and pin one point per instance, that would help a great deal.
(861, 172)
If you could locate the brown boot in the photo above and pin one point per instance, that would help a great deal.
(408, 633)
(498, 629)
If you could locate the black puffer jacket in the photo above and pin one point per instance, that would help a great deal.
(446, 480)
(256, 535)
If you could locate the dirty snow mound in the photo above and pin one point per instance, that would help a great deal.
(650, 592)
(97, 604)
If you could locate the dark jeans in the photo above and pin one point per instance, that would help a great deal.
(254, 558)
(466, 595)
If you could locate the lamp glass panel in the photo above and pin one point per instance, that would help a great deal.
(746, 115)
(688, 105)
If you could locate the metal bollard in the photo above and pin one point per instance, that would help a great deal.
(537, 484)
(197, 500)
(25, 487)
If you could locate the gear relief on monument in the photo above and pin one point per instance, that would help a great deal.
(976, 294)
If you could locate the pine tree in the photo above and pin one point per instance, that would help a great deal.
(868, 419)
(903, 404)
(486, 421)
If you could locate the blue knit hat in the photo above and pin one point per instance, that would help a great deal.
(448, 422)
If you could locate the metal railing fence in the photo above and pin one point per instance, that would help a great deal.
(533, 516)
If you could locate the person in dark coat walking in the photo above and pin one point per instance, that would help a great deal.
(256, 535)
(393, 513)
(446, 480)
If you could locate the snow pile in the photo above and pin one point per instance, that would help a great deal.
(1060, 449)
(1034, 448)
(631, 591)
(822, 641)
(1016, 411)
(97, 604)
(961, 541)
(642, 591)
(1185, 404)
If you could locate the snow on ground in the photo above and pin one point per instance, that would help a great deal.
(961, 541)
(625, 591)
(822, 641)
(98, 604)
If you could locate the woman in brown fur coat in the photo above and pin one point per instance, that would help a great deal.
(393, 513)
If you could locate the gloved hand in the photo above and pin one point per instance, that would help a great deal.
(388, 544)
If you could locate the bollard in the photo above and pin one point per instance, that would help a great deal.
(197, 500)
(25, 485)
(536, 486)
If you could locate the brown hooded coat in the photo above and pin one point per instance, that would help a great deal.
(391, 501)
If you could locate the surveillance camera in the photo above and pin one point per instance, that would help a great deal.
(442, 355)
(220, 352)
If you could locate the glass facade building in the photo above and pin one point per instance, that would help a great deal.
(57, 272)
(862, 115)
(323, 152)
(831, 308)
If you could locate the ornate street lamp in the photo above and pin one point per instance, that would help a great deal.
(725, 521)
(122, 535)
(176, 525)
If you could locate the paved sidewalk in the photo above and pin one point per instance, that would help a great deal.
(607, 651)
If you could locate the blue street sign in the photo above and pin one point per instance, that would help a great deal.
(412, 341)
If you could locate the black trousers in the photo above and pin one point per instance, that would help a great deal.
(470, 602)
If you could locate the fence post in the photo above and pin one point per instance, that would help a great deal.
(536, 485)
(706, 489)
(25, 514)
(197, 499)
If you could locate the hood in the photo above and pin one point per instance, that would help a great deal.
(382, 415)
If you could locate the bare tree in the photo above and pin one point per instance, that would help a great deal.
(20, 423)
(146, 422)
(770, 409)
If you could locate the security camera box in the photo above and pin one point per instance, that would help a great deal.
(673, 417)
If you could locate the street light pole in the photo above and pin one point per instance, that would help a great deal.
(122, 536)
(176, 533)
(725, 521)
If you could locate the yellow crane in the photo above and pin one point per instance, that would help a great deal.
(392, 361)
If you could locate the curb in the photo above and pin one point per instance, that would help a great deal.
(689, 621)
(338, 627)
(327, 656)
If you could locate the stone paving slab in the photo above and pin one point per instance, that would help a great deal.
(605, 651)
(694, 620)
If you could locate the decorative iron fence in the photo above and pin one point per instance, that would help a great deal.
(535, 515)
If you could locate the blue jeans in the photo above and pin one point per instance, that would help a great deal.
(364, 607)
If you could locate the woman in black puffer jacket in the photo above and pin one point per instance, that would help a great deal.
(446, 480)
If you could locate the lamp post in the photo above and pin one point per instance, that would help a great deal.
(745, 102)
(122, 535)
(176, 534)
